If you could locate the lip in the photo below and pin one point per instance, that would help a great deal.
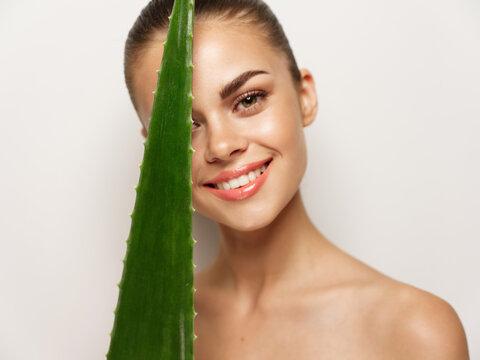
(242, 192)
(242, 170)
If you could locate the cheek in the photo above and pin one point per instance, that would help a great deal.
(283, 131)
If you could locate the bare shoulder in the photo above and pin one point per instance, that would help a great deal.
(416, 324)
(402, 320)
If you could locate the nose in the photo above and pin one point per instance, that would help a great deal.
(223, 142)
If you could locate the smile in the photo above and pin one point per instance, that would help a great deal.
(240, 183)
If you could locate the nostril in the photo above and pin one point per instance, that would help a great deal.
(236, 151)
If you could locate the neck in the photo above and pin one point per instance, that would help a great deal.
(256, 263)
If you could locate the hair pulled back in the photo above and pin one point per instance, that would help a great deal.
(154, 18)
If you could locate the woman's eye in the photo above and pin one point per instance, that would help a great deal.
(248, 101)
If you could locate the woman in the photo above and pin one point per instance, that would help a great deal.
(278, 288)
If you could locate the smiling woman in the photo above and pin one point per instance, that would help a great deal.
(278, 288)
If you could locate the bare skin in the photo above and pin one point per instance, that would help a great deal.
(313, 301)
(278, 288)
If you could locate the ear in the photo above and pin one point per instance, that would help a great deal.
(308, 97)
(144, 132)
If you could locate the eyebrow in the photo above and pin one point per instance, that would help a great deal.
(236, 83)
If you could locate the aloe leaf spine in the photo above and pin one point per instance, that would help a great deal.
(154, 315)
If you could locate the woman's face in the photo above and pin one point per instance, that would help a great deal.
(246, 111)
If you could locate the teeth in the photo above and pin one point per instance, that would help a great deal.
(241, 180)
(226, 186)
(234, 183)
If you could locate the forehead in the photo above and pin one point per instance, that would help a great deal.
(221, 51)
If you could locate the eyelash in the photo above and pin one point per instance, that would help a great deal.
(251, 93)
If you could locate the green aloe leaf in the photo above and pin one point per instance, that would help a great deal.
(154, 315)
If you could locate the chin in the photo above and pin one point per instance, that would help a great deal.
(245, 221)
(247, 225)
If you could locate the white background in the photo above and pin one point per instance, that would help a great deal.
(393, 170)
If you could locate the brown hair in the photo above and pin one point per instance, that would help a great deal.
(154, 18)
